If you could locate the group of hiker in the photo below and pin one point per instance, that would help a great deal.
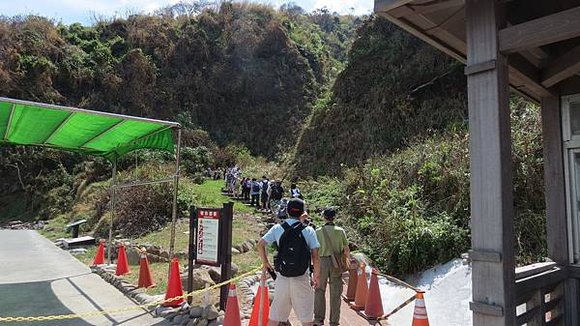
(307, 260)
(264, 194)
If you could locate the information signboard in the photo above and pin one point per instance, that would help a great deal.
(208, 231)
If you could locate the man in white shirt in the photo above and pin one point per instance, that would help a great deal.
(297, 247)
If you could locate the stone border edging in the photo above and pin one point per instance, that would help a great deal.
(185, 315)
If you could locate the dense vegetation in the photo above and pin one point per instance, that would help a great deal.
(371, 119)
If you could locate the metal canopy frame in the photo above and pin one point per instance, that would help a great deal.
(174, 179)
(91, 112)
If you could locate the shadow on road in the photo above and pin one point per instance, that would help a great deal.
(38, 299)
(34, 299)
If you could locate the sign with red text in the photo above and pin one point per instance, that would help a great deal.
(208, 230)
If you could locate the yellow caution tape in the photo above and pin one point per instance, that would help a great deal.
(139, 307)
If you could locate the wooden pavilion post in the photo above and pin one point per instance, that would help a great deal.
(491, 168)
(554, 181)
(555, 189)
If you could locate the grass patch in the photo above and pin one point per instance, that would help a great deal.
(209, 195)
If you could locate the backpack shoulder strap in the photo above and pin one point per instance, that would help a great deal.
(299, 227)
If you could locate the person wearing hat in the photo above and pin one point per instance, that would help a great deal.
(332, 242)
(297, 246)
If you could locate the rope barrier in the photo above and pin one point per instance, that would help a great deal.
(138, 307)
(399, 307)
(402, 283)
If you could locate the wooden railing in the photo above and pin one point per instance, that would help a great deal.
(540, 294)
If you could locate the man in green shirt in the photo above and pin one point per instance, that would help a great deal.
(332, 242)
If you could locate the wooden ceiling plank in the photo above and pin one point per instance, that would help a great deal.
(430, 28)
(449, 38)
(539, 53)
(565, 66)
(400, 11)
(532, 58)
(424, 9)
(386, 5)
(546, 30)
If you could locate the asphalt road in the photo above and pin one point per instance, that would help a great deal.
(39, 279)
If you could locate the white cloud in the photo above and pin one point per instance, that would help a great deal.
(357, 7)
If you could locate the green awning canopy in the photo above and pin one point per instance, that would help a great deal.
(78, 130)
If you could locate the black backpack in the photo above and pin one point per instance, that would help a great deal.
(293, 258)
(264, 186)
(256, 187)
(277, 192)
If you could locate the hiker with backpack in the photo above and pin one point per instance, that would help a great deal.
(275, 194)
(255, 193)
(264, 193)
(295, 192)
(245, 189)
(334, 253)
(297, 246)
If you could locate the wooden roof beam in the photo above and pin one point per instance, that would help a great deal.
(562, 67)
(523, 73)
(553, 28)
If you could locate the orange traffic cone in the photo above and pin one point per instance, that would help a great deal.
(145, 279)
(174, 286)
(420, 314)
(122, 264)
(232, 316)
(352, 281)
(374, 304)
(261, 309)
(362, 289)
(100, 256)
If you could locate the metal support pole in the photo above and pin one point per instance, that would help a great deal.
(192, 256)
(226, 219)
(175, 190)
(262, 299)
(113, 198)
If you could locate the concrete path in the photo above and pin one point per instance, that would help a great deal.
(38, 279)
(348, 317)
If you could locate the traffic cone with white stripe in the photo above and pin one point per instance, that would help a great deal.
(261, 309)
(362, 289)
(232, 316)
(145, 278)
(420, 314)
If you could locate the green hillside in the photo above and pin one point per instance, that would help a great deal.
(395, 88)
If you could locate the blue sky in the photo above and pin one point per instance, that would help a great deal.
(70, 11)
